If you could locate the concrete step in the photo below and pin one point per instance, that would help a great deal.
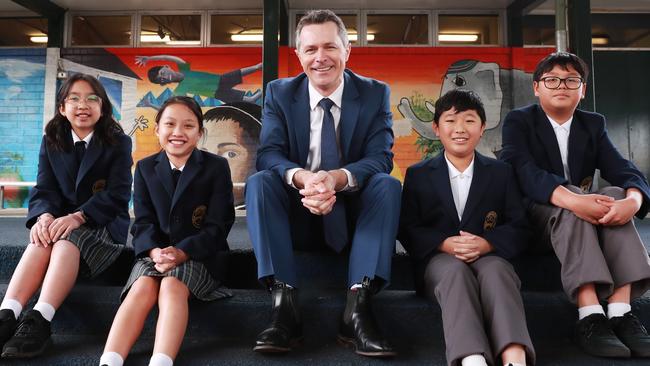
(89, 310)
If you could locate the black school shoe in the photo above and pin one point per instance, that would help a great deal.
(595, 336)
(632, 333)
(8, 324)
(32, 337)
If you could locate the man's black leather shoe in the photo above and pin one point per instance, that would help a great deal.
(8, 324)
(358, 328)
(32, 337)
(595, 336)
(632, 333)
(285, 330)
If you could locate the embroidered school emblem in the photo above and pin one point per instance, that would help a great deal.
(585, 185)
(198, 215)
(490, 221)
(99, 185)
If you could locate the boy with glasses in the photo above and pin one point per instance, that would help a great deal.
(555, 149)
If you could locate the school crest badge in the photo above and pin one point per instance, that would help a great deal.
(490, 220)
(585, 185)
(99, 185)
(198, 215)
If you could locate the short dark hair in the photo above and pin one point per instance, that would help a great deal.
(152, 74)
(461, 100)
(564, 60)
(186, 101)
(321, 17)
(248, 116)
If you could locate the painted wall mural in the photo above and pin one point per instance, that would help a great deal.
(227, 83)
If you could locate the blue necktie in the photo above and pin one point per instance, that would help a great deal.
(79, 152)
(334, 223)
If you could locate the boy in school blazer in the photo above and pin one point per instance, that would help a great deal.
(461, 219)
(555, 149)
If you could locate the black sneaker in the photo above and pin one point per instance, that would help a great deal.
(32, 337)
(632, 333)
(8, 325)
(594, 335)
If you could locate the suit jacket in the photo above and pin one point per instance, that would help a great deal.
(365, 128)
(196, 217)
(530, 145)
(101, 189)
(494, 209)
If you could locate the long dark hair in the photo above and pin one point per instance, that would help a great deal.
(57, 131)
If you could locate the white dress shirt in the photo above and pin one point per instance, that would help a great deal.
(460, 184)
(86, 139)
(316, 114)
(562, 134)
(174, 166)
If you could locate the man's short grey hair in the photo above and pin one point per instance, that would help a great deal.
(320, 17)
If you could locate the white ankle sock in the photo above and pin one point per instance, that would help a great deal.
(585, 311)
(111, 359)
(474, 360)
(516, 364)
(12, 304)
(161, 359)
(618, 309)
(355, 286)
(45, 309)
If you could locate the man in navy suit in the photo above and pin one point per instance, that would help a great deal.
(323, 164)
(555, 149)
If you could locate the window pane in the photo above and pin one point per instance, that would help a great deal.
(350, 21)
(101, 30)
(398, 29)
(468, 29)
(620, 30)
(162, 30)
(236, 29)
(539, 30)
(18, 32)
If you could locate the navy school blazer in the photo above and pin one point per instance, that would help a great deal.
(196, 217)
(365, 128)
(101, 189)
(530, 145)
(494, 210)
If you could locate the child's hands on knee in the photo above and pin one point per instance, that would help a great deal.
(39, 233)
(168, 258)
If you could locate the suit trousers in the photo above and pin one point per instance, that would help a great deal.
(278, 223)
(608, 256)
(482, 309)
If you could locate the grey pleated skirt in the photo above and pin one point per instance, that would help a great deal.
(192, 273)
(96, 248)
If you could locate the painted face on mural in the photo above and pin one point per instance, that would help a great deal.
(323, 55)
(178, 132)
(82, 107)
(459, 132)
(561, 99)
(167, 75)
(226, 138)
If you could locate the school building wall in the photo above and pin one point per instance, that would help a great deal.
(417, 77)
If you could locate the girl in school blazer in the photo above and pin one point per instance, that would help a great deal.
(78, 212)
(183, 212)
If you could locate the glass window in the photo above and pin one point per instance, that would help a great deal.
(23, 32)
(539, 30)
(236, 29)
(103, 30)
(350, 21)
(468, 29)
(398, 29)
(169, 30)
(620, 30)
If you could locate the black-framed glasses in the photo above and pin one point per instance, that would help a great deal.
(554, 82)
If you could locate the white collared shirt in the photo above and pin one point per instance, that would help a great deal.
(86, 139)
(562, 132)
(174, 166)
(460, 184)
(316, 114)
